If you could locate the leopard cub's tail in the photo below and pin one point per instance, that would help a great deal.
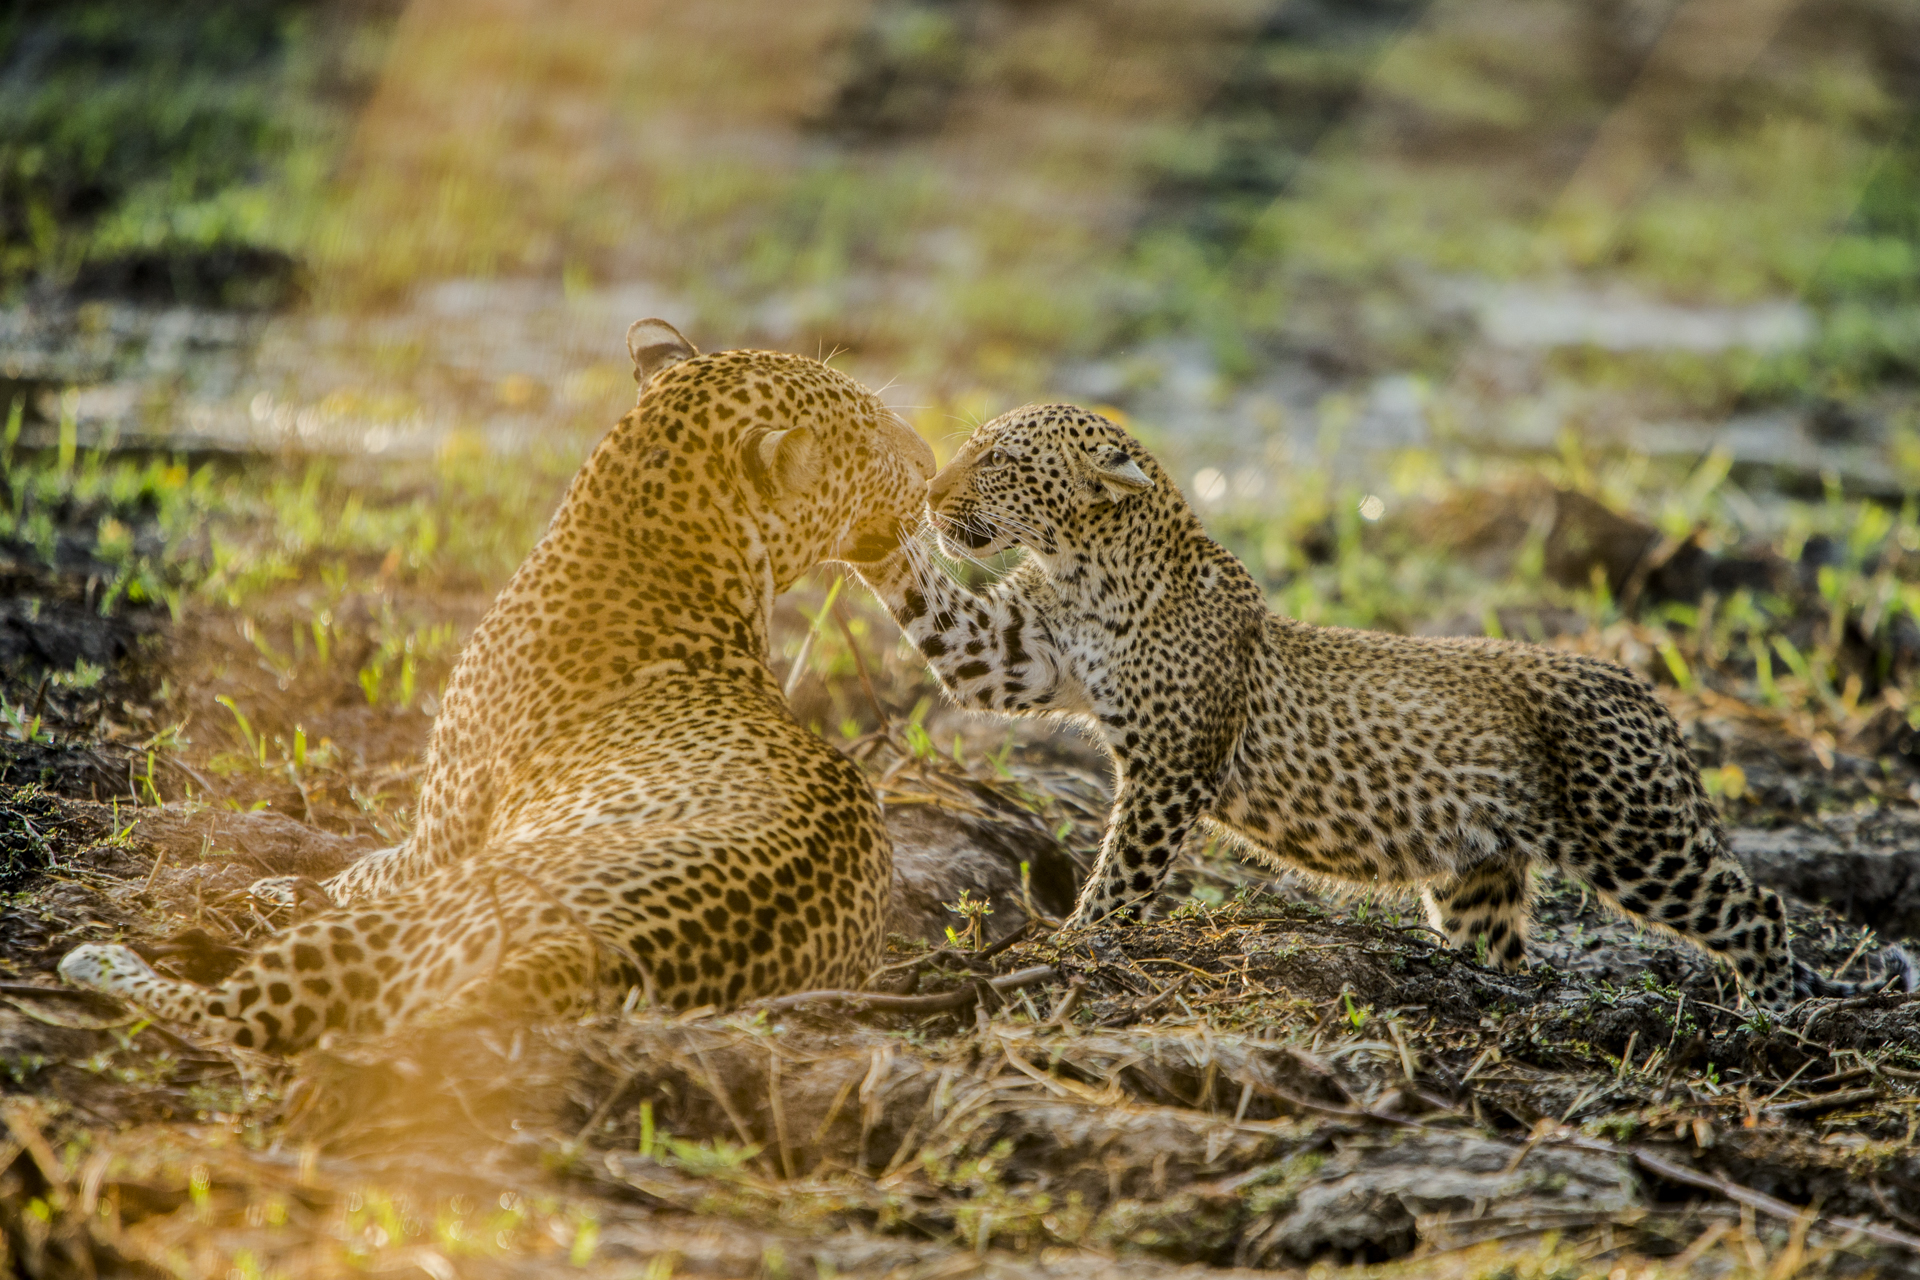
(1898, 974)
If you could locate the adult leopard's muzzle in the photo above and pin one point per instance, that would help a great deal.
(876, 543)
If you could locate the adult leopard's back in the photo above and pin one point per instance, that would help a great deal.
(616, 792)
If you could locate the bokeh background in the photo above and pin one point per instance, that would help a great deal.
(1279, 235)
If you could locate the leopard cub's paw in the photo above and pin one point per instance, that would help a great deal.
(102, 967)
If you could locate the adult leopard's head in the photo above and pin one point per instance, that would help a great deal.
(1047, 477)
(826, 470)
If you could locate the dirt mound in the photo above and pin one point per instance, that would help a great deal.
(1266, 1084)
(1277, 1081)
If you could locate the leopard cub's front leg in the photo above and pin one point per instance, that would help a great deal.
(991, 651)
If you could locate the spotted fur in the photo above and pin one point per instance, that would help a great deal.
(1455, 765)
(616, 793)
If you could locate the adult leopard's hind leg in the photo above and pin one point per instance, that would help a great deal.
(567, 973)
(1485, 905)
(358, 969)
(120, 972)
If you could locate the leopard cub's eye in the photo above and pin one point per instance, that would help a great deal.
(997, 458)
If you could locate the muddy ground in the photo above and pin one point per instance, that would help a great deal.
(1263, 1077)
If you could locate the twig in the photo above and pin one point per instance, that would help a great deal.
(779, 1112)
(931, 957)
(1860, 946)
(19, 1122)
(873, 1002)
(1788, 1082)
(1166, 997)
(1779, 1026)
(711, 1083)
(600, 1112)
(993, 949)
(1481, 1061)
(1400, 1043)
(1703, 1242)
(1747, 1196)
(94, 998)
(1416, 928)
(1325, 1108)
(68, 1024)
(158, 862)
(799, 667)
(1213, 979)
(1062, 1015)
(860, 665)
(206, 788)
(968, 958)
(1820, 1102)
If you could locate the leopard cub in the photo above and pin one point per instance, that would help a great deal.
(1451, 764)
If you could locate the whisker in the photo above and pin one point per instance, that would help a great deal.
(933, 559)
(1020, 528)
(963, 556)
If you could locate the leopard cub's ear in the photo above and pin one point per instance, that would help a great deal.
(1119, 476)
(655, 345)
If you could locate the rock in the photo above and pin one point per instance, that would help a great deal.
(1368, 1201)
(1864, 865)
(1528, 315)
(938, 852)
(1640, 566)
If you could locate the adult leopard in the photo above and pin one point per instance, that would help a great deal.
(615, 792)
(1379, 759)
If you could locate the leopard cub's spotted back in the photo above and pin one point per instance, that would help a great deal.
(616, 793)
(1454, 765)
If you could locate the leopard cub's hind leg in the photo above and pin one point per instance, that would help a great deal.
(1485, 906)
(1683, 881)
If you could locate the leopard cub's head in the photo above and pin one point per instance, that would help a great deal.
(1047, 477)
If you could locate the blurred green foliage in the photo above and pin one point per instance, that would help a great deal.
(978, 198)
(155, 149)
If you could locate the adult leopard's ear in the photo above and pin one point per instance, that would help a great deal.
(781, 462)
(654, 345)
(1119, 476)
